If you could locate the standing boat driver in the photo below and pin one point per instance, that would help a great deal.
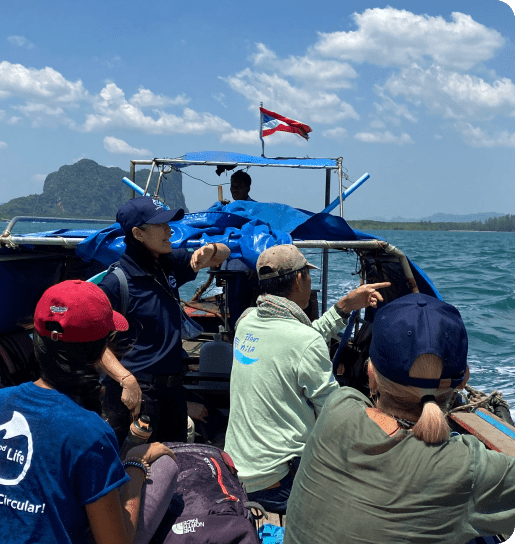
(152, 365)
(282, 373)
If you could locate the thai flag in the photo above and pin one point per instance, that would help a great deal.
(272, 122)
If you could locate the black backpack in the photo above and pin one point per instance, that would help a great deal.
(210, 504)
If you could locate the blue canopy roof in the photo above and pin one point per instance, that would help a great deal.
(226, 157)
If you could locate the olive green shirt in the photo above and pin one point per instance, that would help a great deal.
(358, 485)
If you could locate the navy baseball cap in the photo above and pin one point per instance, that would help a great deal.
(145, 209)
(414, 325)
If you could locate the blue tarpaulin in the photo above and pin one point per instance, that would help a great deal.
(247, 228)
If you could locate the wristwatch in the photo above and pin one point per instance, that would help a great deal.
(344, 315)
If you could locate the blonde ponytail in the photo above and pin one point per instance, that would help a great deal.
(432, 426)
(406, 401)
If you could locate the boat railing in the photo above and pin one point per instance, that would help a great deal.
(11, 241)
(31, 218)
(8, 240)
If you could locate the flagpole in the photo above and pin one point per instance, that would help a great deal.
(261, 131)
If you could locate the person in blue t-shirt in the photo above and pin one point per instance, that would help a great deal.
(60, 472)
(152, 364)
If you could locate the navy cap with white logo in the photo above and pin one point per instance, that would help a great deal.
(145, 209)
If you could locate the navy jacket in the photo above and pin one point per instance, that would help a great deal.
(153, 342)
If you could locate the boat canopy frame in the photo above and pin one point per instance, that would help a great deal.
(233, 160)
(214, 158)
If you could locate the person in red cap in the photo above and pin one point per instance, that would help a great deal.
(387, 469)
(152, 360)
(60, 472)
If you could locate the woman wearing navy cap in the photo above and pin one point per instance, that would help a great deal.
(387, 470)
(60, 472)
(152, 360)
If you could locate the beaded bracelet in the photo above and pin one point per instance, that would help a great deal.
(137, 462)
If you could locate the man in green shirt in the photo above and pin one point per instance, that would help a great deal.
(282, 373)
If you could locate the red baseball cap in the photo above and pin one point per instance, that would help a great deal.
(81, 308)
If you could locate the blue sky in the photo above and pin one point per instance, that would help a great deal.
(421, 96)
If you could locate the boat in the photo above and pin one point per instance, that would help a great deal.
(30, 263)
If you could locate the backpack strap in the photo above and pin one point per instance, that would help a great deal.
(124, 286)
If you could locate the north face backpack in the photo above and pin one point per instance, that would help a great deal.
(209, 504)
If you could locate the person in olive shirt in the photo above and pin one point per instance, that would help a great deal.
(388, 470)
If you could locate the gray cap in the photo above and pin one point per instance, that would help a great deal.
(281, 260)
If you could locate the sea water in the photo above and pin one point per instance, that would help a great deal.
(474, 271)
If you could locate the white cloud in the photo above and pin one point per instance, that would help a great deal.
(112, 62)
(2, 145)
(438, 137)
(14, 120)
(323, 74)
(20, 41)
(145, 98)
(475, 137)
(39, 177)
(220, 97)
(383, 138)
(453, 95)
(279, 95)
(391, 37)
(42, 114)
(399, 110)
(46, 85)
(114, 111)
(243, 137)
(338, 132)
(114, 145)
(377, 123)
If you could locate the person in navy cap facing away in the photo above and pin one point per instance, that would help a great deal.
(388, 469)
(60, 472)
(151, 364)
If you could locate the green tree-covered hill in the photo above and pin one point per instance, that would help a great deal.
(87, 190)
(506, 223)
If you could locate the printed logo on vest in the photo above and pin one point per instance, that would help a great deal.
(15, 450)
(172, 281)
(188, 526)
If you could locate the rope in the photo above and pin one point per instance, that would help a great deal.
(478, 399)
(202, 289)
(201, 307)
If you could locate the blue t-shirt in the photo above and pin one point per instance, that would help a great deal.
(153, 342)
(55, 458)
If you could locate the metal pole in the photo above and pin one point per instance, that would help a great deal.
(340, 176)
(325, 252)
(261, 130)
(133, 177)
